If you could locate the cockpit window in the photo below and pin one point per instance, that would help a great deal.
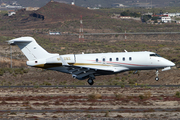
(158, 55)
(152, 55)
(155, 55)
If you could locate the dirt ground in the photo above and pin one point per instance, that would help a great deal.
(89, 103)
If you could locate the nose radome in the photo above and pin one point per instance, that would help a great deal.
(170, 64)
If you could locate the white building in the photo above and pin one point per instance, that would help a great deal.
(125, 17)
(72, 3)
(172, 14)
(54, 33)
(166, 19)
(118, 5)
(14, 7)
(32, 8)
(10, 13)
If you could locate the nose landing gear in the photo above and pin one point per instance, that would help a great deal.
(157, 73)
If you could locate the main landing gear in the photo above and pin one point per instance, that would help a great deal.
(157, 73)
(90, 81)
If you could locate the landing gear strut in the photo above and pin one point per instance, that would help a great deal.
(90, 81)
(157, 73)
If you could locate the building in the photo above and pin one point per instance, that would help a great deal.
(125, 17)
(54, 33)
(150, 22)
(32, 8)
(177, 21)
(172, 14)
(72, 3)
(3, 4)
(166, 19)
(118, 5)
(11, 12)
(94, 8)
(159, 15)
(13, 7)
(148, 14)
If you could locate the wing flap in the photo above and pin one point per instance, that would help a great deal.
(84, 71)
(79, 71)
(85, 75)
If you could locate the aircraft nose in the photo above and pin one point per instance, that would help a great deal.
(171, 64)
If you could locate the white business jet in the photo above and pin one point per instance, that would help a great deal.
(83, 66)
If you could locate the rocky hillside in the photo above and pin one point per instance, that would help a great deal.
(55, 11)
(51, 15)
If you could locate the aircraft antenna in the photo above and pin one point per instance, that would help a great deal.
(81, 34)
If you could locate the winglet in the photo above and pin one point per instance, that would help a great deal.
(63, 61)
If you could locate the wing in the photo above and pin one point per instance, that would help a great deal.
(82, 72)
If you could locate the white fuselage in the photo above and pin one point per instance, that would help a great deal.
(116, 62)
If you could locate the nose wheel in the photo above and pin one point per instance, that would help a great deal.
(90, 81)
(157, 73)
(156, 78)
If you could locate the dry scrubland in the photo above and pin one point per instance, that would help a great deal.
(89, 103)
(23, 75)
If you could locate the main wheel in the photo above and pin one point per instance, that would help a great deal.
(90, 81)
(156, 78)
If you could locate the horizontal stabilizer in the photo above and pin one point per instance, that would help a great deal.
(20, 40)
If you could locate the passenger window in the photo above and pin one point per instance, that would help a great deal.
(123, 58)
(103, 59)
(96, 59)
(117, 59)
(130, 58)
(110, 59)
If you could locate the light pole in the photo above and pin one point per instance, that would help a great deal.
(11, 54)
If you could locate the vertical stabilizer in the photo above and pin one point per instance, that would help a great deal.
(31, 49)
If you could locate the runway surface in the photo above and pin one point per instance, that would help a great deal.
(98, 110)
(88, 86)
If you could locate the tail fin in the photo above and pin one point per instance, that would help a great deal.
(31, 49)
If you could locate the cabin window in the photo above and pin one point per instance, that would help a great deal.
(103, 59)
(110, 59)
(130, 58)
(96, 59)
(123, 59)
(117, 59)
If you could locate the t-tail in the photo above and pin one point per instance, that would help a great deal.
(34, 52)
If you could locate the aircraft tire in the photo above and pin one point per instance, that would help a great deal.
(156, 78)
(90, 81)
